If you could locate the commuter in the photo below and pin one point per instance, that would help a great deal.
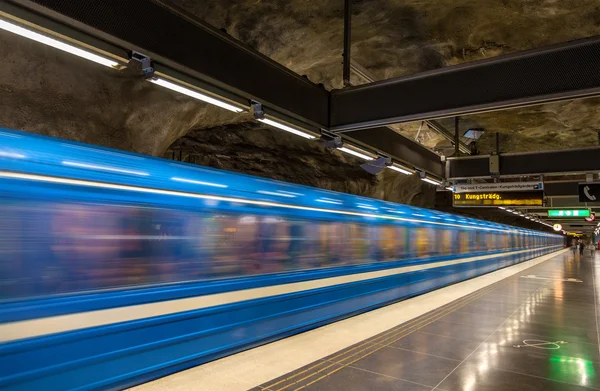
(581, 247)
(574, 247)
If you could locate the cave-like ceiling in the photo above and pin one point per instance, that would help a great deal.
(392, 38)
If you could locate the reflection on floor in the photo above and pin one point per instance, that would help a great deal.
(536, 330)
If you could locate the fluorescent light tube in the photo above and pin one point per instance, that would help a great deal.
(428, 180)
(355, 153)
(400, 169)
(23, 32)
(194, 94)
(289, 129)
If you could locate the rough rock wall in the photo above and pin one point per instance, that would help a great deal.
(46, 91)
(253, 149)
(392, 38)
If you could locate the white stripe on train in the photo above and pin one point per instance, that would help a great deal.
(13, 331)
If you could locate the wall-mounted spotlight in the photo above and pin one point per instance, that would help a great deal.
(377, 165)
(259, 115)
(331, 140)
(28, 32)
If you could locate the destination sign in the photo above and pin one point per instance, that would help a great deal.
(499, 198)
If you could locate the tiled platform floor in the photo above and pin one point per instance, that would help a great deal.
(536, 330)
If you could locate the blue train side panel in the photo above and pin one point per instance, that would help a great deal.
(127, 353)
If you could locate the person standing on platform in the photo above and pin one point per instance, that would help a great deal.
(581, 247)
(574, 246)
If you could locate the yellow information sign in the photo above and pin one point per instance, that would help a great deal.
(502, 198)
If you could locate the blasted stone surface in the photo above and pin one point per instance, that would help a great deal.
(392, 38)
(46, 91)
(252, 149)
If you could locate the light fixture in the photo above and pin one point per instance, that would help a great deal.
(400, 169)
(451, 189)
(429, 180)
(289, 129)
(26, 33)
(194, 94)
(501, 207)
(357, 153)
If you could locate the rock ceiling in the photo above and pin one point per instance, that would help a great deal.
(392, 38)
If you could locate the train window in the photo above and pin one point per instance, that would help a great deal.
(66, 246)
(401, 242)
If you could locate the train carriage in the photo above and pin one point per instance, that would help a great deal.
(117, 268)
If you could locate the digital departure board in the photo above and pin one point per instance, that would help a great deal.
(499, 198)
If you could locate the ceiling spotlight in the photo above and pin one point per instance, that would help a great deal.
(331, 140)
(474, 134)
(375, 166)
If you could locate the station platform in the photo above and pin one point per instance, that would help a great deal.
(531, 326)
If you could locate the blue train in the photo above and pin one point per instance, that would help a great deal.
(117, 268)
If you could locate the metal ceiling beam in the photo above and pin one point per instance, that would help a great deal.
(388, 141)
(573, 161)
(176, 40)
(553, 73)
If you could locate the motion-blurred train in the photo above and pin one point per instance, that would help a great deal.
(117, 268)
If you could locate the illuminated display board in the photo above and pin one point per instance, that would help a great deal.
(499, 198)
(569, 213)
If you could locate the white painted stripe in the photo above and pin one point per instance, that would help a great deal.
(44, 326)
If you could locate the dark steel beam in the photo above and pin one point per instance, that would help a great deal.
(179, 41)
(573, 161)
(554, 73)
(386, 140)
